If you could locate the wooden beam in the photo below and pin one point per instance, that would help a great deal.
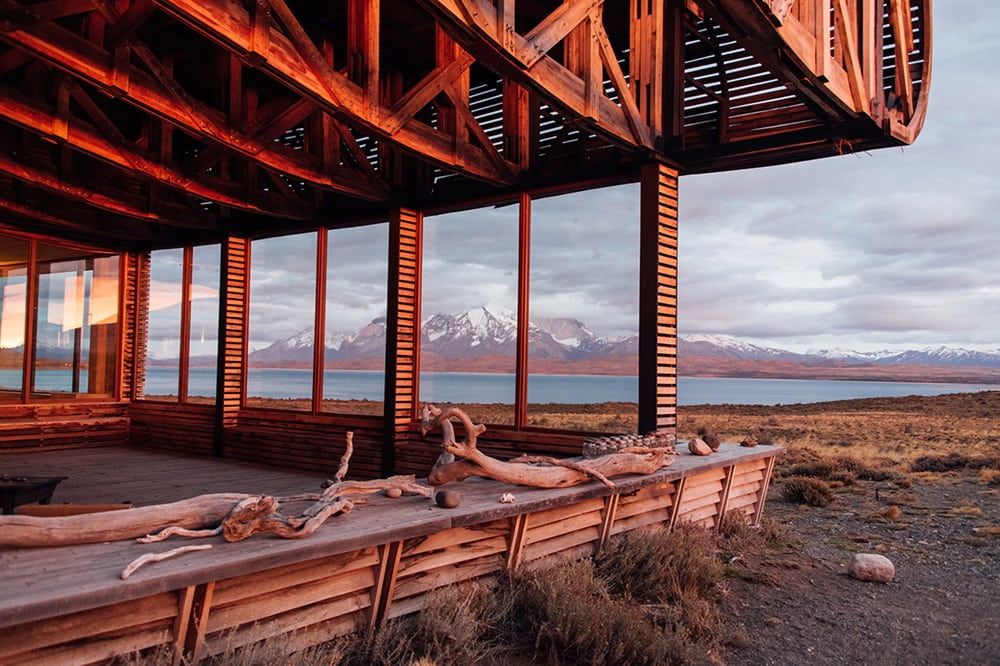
(902, 31)
(847, 37)
(118, 204)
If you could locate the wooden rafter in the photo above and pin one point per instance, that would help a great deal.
(118, 204)
(128, 156)
(158, 93)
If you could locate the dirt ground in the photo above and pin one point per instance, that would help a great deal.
(943, 607)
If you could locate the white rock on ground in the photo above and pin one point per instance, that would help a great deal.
(871, 567)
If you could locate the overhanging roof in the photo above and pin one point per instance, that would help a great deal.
(158, 123)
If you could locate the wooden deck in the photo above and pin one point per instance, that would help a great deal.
(69, 605)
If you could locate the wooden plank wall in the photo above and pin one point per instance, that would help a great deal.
(63, 425)
(170, 426)
(306, 441)
(312, 601)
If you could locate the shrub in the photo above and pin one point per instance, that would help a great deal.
(954, 461)
(806, 490)
(989, 476)
(570, 617)
(662, 567)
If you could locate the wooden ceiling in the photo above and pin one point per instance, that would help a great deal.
(159, 123)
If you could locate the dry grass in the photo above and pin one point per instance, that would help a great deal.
(897, 429)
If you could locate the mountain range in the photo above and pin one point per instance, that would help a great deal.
(483, 340)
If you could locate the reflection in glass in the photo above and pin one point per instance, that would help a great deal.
(354, 353)
(163, 349)
(204, 334)
(469, 311)
(584, 295)
(76, 325)
(13, 299)
(281, 323)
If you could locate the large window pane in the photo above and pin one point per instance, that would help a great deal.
(469, 328)
(204, 333)
(163, 350)
(354, 372)
(13, 299)
(282, 322)
(584, 294)
(76, 324)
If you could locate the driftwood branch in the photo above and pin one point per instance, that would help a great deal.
(538, 471)
(158, 557)
(235, 516)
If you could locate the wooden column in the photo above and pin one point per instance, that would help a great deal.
(402, 367)
(133, 331)
(233, 311)
(658, 299)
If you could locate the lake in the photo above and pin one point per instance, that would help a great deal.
(498, 388)
(442, 387)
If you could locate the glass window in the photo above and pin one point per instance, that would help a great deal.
(76, 324)
(469, 312)
(203, 337)
(13, 299)
(282, 322)
(584, 305)
(163, 350)
(354, 355)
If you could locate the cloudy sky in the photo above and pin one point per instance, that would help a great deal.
(891, 249)
(897, 248)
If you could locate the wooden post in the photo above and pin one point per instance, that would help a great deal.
(385, 582)
(199, 601)
(402, 345)
(762, 493)
(658, 299)
(515, 542)
(521, 362)
(727, 485)
(608, 519)
(230, 376)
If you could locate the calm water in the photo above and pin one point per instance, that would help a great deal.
(487, 388)
(471, 387)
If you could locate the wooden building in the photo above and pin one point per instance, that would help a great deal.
(133, 127)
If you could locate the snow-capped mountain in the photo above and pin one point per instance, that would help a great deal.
(483, 331)
(726, 347)
(492, 331)
(926, 356)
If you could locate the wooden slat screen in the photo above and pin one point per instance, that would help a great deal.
(658, 299)
(232, 330)
(134, 318)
